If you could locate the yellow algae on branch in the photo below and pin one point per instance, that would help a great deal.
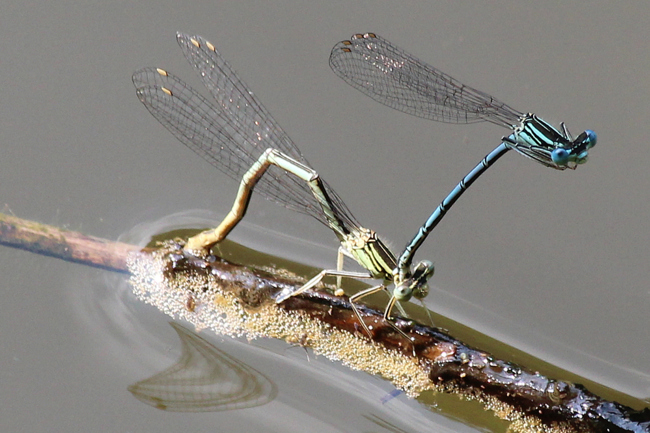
(237, 301)
(218, 305)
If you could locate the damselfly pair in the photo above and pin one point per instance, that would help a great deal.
(239, 137)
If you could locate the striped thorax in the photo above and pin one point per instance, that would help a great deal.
(370, 252)
(537, 139)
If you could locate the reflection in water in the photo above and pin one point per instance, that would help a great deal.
(391, 395)
(205, 379)
(383, 423)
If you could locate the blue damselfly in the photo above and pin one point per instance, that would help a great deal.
(399, 80)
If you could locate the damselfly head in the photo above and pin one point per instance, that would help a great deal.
(582, 144)
(416, 284)
(579, 151)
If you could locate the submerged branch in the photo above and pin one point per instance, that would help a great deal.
(236, 300)
(64, 244)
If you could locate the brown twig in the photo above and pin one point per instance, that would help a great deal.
(64, 244)
(534, 402)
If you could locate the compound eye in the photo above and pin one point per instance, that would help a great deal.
(591, 138)
(421, 292)
(560, 156)
(403, 292)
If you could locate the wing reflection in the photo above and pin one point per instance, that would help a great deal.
(384, 423)
(205, 379)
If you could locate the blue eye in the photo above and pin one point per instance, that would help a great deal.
(560, 156)
(591, 138)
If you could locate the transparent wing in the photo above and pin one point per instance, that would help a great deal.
(399, 80)
(232, 134)
(234, 97)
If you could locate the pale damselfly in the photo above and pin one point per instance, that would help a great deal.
(399, 80)
(239, 137)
